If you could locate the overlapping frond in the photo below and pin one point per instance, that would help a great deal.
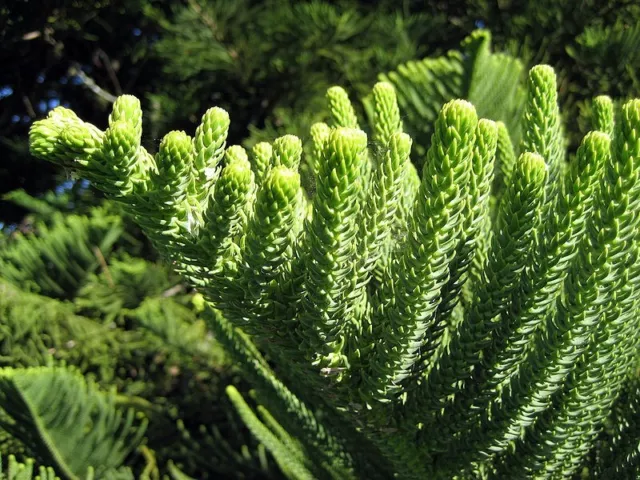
(56, 258)
(490, 81)
(16, 470)
(72, 436)
(452, 322)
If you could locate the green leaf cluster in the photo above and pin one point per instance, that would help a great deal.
(83, 316)
(478, 319)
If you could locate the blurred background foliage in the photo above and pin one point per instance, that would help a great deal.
(270, 62)
(79, 284)
(76, 291)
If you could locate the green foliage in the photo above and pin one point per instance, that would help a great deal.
(610, 56)
(272, 62)
(290, 459)
(35, 328)
(469, 313)
(618, 454)
(490, 81)
(422, 328)
(25, 471)
(50, 50)
(125, 323)
(592, 46)
(419, 270)
(291, 410)
(55, 259)
(90, 430)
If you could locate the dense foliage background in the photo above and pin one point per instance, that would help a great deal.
(264, 60)
(77, 269)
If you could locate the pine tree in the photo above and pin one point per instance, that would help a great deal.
(417, 326)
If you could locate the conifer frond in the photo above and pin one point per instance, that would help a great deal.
(618, 452)
(268, 245)
(513, 350)
(279, 399)
(224, 214)
(420, 270)
(491, 82)
(57, 258)
(173, 323)
(261, 155)
(476, 214)
(292, 465)
(542, 127)
(35, 327)
(505, 160)
(72, 436)
(208, 146)
(25, 470)
(328, 306)
(23, 199)
(603, 116)
(522, 201)
(478, 319)
(340, 108)
(614, 227)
